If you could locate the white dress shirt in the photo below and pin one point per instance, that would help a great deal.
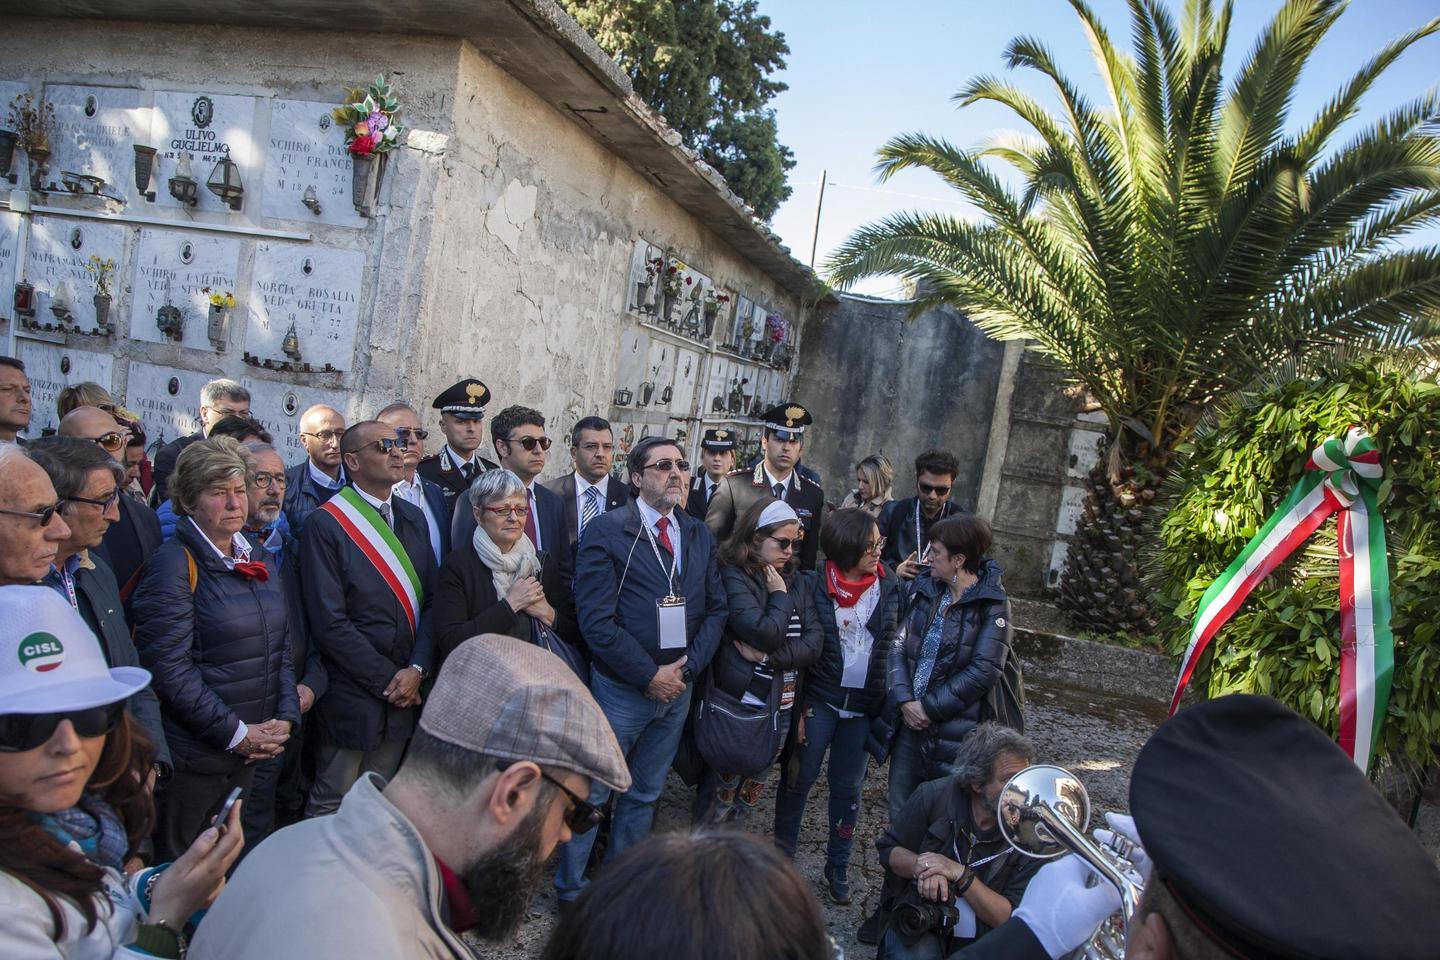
(377, 504)
(602, 491)
(412, 491)
(650, 517)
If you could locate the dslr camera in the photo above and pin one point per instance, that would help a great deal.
(915, 918)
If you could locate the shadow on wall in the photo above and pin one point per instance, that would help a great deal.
(877, 382)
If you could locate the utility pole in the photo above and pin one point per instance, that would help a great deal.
(819, 203)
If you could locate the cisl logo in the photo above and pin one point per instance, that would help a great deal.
(41, 652)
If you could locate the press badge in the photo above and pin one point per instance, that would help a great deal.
(670, 617)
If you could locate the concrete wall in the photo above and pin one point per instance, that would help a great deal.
(878, 382)
(502, 244)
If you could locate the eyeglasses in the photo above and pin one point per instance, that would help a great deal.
(263, 480)
(105, 504)
(937, 491)
(665, 466)
(44, 516)
(385, 444)
(877, 547)
(26, 731)
(111, 442)
(530, 443)
(507, 511)
(785, 543)
(582, 816)
(407, 433)
(325, 436)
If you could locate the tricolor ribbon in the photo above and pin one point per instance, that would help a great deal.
(1342, 476)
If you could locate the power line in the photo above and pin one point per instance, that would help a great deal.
(888, 193)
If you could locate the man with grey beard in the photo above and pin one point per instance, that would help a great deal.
(508, 745)
(278, 794)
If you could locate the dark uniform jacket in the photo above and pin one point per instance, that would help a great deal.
(897, 526)
(164, 465)
(742, 488)
(440, 469)
(967, 663)
(616, 588)
(699, 500)
(303, 496)
(361, 628)
(218, 654)
(128, 544)
(97, 597)
(617, 494)
(466, 604)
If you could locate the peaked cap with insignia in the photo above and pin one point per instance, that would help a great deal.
(718, 440)
(465, 400)
(787, 420)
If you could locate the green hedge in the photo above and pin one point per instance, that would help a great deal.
(1284, 641)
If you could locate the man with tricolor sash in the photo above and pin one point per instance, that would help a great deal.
(367, 566)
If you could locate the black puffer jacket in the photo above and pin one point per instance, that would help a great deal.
(218, 655)
(822, 681)
(761, 619)
(967, 664)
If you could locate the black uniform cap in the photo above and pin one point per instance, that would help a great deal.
(718, 440)
(1275, 843)
(465, 399)
(787, 420)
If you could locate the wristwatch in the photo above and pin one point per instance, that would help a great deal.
(418, 669)
(687, 674)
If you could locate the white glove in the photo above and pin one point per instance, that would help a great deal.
(1125, 826)
(1060, 910)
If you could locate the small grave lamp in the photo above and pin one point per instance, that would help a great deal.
(311, 201)
(60, 302)
(290, 346)
(25, 300)
(183, 186)
(225, 182)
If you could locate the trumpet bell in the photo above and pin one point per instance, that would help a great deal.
(1028, 798)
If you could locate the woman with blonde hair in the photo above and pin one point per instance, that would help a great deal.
(874, 482)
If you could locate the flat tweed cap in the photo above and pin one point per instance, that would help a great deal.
(510, 699)
(1275, 843)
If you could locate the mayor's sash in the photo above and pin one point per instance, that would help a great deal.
(364, 525)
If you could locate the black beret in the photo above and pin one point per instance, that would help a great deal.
(1275, 843)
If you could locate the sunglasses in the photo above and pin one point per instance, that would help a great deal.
(26, 731)
(530, 443)
(665, 466)
(263, 480)
(44, 516)
(507, 511)
(785, 543)
(386, 444)
(110, 442)
(406, 433)
(104, 504)
(582, 816)
(937, 491)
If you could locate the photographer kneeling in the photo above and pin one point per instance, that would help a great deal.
(950, 877)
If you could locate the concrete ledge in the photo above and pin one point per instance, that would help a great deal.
(1050, 654)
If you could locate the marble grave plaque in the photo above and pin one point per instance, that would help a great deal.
(51, 367)
(314, 289)
(204, 126)
(9, 232)
(96, 129)
(166, 398)
(59, 249)
(307, 149)
(278, 407)
(180, 264)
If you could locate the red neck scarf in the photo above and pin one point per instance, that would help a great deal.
(847, 593)
(462, 911)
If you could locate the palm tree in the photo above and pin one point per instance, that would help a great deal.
(1172, 246)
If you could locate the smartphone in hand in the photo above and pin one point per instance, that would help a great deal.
(224, 815)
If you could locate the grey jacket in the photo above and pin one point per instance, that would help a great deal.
(360, 883)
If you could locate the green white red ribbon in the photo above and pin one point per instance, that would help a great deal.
(1342, 476)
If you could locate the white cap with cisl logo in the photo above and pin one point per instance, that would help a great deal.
(50, 661)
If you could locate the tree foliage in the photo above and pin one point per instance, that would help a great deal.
(706, 66)
(1284, 641)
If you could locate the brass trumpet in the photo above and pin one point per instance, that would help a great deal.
(1044, 812)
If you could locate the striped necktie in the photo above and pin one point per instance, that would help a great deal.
(591, 508)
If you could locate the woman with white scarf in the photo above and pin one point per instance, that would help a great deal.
(498, 583)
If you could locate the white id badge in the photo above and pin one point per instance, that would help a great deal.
(670, 620)
(965, 923)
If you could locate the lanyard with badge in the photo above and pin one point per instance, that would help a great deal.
(69, 583)
(922, 557)
(669, 609)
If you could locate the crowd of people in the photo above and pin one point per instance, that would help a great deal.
(381, 691)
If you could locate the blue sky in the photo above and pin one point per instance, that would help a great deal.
(862, 71)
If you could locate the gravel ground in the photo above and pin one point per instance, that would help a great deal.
(1095, 735)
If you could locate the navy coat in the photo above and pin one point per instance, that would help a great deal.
(822, 682)
(361, 629)
(304, 656)
(619, 622)
(617, 494)
(303, 496)
(128, 544)
(554, 539)
(217, 656)
(761, 618)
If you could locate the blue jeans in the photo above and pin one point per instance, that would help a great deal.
(844, 738)
(907, 768)
(649, 734)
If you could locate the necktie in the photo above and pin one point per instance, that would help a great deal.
(467, 470)
(384, 509)
(591, 508)
(779, 491)
(530, 523)
(662, 529)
